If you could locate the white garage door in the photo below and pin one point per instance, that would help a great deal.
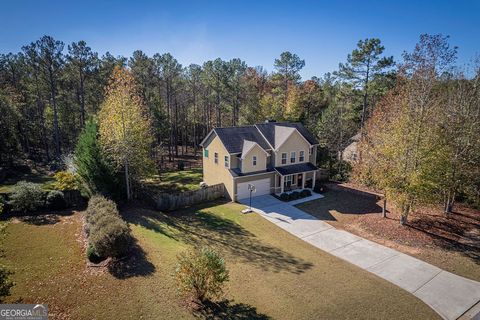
(262, 187)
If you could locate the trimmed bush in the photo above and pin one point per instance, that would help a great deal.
(55, 200)
(285, 197)
(201, 273)
(108, 234)
(305, 193)
(27, 196)
(111, 239)
(294, 195)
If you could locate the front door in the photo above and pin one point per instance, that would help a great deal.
(299, 180)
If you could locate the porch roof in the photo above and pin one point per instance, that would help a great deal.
(236, 172)
(296, 168)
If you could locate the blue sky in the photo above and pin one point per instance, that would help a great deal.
(321, 32)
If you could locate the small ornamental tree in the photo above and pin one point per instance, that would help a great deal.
(201, 273)
(125, 130)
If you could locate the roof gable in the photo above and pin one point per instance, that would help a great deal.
(233, 138)
(249, 146)
(268, 130)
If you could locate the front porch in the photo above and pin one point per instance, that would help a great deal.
(295, 177)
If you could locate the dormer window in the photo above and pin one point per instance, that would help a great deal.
(284, 158)
(254, 160)
(293, 157)
(301, 156)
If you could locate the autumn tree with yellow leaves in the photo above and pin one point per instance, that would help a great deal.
(125, 129)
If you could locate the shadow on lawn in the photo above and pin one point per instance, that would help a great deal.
(343, 202)
(135, 264)
(204, 228)
(39, 218)
(225, 309)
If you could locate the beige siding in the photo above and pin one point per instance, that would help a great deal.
(296, 143)
(216, 173)
(313, 156)
(247, 162)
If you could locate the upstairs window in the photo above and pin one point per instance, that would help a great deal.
(215, 157)
(254, 160)
(227, 162)
(293, 157)
(205, 153)
(284, 158)
(301, 156)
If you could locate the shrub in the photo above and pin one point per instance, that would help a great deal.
(56, 200)
(99, 206)
(305, 193)
(319, 188)
(109, 235)
(294, 195)
(285, 197)
(65, 180)
(27, 196)
(202, 273)
(92, 255)
(5, 283)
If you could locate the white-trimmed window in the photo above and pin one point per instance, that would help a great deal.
(293, 157)
(301, 156)
(227, 161)
(294, 179)
(288, 179)
(254, 160)
(284, 158)
(215, 157)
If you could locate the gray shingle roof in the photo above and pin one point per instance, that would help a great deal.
(233, 137)
(296, 168)
(268, 131)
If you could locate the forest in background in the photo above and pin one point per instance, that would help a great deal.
(418, 117)
(49, 89)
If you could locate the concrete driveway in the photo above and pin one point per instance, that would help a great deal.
(451, 296)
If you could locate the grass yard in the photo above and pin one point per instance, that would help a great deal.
(6, 186)
(176, 181)
(450, 243)
(272, 273)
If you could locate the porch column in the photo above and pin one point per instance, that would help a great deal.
(281, 184)
(314, 177)
(303, 180)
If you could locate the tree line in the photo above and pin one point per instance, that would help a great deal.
(48, 90)
(422, 144)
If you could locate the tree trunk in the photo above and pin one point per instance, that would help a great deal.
(384, 209)
(127, 181)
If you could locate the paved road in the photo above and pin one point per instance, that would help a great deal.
(446, 293)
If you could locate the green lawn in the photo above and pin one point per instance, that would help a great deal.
(272, 274)
(45, 180)
(176, 181)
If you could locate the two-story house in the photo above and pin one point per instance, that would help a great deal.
(273, 156)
